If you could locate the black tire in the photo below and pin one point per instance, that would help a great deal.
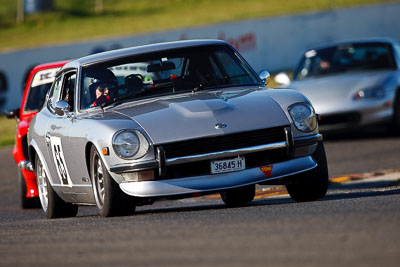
(52, 205)
(394, 126)
(239, 196)
(110, 200)
(25, 202)
(311, 185)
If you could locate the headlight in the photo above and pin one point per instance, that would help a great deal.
(303, 117)
(130, 144)
(373, 92)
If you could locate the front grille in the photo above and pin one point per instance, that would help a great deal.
(203, 167)
(224, 142)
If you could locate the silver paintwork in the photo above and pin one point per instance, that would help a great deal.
(193, 115)
(337, 93)
(161, 120)
(333, 94)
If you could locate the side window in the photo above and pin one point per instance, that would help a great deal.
(55, 91)
(68, 91)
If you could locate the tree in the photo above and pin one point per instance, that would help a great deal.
(20, 11)
(98, 8)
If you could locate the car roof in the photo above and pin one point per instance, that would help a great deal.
(351, 42)
(151, 48)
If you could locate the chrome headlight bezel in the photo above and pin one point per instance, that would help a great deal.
(134, 138)
(303, 117)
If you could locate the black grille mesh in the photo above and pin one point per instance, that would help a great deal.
(224, 142)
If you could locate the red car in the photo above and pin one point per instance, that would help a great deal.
(38, 83)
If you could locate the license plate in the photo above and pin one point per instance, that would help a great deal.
(228, 165)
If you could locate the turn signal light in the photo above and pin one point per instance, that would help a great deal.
(105, 151)
(139, 176)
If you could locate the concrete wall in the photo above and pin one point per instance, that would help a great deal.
(272, 44)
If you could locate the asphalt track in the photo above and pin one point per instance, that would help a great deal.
(356, 224)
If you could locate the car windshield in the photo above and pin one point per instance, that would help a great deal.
(345, 58)
(39, 87)
(161, 73)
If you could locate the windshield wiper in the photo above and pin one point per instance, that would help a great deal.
(118, 100)
(135, 94)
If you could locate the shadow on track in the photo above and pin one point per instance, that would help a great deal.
(353, 191)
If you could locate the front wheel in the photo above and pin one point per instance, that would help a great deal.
(52, 205)
(110, 200)
(311, 185)
(239, 196)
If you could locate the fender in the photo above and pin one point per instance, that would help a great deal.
(34, 149)
(117, 178)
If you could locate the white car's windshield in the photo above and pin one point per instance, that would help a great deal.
(165, 72)
(345, 58)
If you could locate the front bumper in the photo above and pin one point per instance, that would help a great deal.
(298, 159)
(26, 165)
(366, 113)
(218, 182)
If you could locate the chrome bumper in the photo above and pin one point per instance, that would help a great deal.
(291, 144)
(26, 165)
(217, 182)
(161, 161)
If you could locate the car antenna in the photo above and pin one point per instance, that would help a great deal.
(195, 89)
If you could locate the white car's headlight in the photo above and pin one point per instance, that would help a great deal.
(130, 144)
(369, 93)
(303, 116)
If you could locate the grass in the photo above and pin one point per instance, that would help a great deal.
(7, 131)
(75, 20)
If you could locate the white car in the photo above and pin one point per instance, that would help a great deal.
(351, 84)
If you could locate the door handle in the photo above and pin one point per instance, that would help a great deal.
(48, 138)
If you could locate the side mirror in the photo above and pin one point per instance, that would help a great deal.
(282, 78)
(62, 108)
(14, 113)
(265, 76)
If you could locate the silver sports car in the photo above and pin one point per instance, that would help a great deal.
(351, 84)
(127, 127)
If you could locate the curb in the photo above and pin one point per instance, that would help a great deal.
(391, 175)
(380, 175)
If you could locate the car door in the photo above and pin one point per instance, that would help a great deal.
(58, 131)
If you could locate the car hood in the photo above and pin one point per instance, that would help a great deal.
(193, 115)
(336, 91)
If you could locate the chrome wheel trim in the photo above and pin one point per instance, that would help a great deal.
(42, 185)
(98, 180)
